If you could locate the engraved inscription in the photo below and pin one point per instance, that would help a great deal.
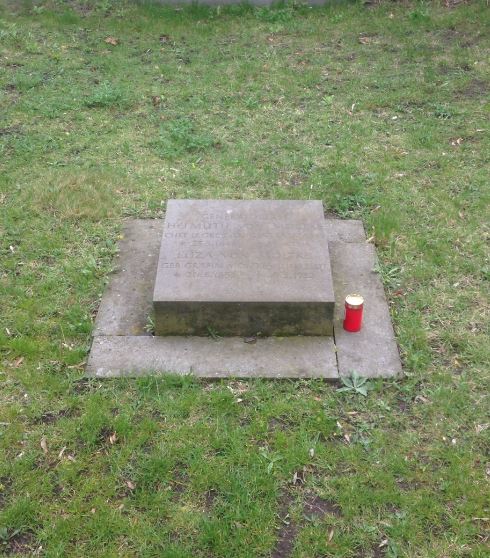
(243, 266)
(211, 246)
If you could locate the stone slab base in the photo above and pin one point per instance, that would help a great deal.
(371, 352)
(272, 357)
(123, 347)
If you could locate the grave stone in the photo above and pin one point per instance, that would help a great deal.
(243, 268)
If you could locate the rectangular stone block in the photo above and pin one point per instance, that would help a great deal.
(238, 268)
(273, 357)
(371, 352)
(127, 301)
(340, 230)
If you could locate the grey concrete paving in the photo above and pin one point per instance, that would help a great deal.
(244, 266)
(273, 357)
(121, 345)
(372, 352)
(349, 230)
(127, 302)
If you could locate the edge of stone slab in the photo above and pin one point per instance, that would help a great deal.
(126, 302)
(344, 230)
(286, 357)
(372, 352)
(341, 232)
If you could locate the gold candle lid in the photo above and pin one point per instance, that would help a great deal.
(354, 301)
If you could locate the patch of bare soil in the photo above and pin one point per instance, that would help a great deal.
(288, 530)
(314, 508)
(83, 385)
(19, 543)
(180, 482)
(81, 8)
(475, 88)
(5, 486)
(50, 418)
(454, 3)
(279, 423)
(318, 508)
(10, 130)
(404, 405)
(209, 499)
(376, 552)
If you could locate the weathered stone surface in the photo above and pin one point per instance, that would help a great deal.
(127, 302)
(373, 351)
(287, 357)
(125, 306)
(340, 230)
(242, 267)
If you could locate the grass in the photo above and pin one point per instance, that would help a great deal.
(382, 113)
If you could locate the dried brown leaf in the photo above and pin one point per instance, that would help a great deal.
(111, 41)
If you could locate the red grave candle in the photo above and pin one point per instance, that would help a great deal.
(353, 312)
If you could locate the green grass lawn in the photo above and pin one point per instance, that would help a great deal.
(107, 111)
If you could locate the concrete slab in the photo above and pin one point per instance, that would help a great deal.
(241, 267)
(121, 345)
(372, 352)
(273, 357)
(349, 230)
(127, 301)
